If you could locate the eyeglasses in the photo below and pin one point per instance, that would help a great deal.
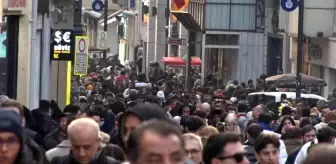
(192, 151)
(10, 143)
(238, 157)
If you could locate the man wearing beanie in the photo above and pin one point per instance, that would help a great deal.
(11, 135)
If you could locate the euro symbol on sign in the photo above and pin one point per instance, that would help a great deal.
(66, 37)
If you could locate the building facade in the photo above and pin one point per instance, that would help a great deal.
(15, 49)
(319, 46)
(241, 39)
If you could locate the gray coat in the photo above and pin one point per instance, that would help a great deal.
(63, 149)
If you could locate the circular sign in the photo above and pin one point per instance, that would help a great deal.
(81, 45)
(289, 5)
(97, 5)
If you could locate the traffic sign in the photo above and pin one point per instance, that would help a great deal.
(102, 40)
(81, 55)
(289, 5)
(97, 5)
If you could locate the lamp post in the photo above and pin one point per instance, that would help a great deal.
(299, 49)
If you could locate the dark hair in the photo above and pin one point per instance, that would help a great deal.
(265, 139)
(283, 95)
(324, 134)
(283, 122)
(286, 110)
(194, 123)
(305, 112)
(200, 113)
(242, 107)
(265, 118)
(293, 133)
(304, 122)
(307, 129)
(254, 130)
(160, 127)
(216, 143)
(92, 113)
(73, 109)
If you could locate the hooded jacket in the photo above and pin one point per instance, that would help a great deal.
(145, 112)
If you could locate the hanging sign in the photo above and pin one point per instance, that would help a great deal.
(62, 45)
(289, 5)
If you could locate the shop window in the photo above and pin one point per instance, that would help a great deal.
(216, 39)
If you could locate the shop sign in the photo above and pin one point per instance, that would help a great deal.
(176, 41)
(62, 45)
(315, 51)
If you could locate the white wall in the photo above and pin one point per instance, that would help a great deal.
(319, 16)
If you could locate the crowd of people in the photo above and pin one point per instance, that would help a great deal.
(121, 117)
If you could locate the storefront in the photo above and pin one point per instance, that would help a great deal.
(322, 61)
(9, 55)
(15, 39)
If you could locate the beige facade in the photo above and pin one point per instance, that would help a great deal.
(10, 7)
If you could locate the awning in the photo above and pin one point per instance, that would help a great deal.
(187, 21)
(176, 61)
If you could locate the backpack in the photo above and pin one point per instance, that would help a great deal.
(122, 84)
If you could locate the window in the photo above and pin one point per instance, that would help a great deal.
(235, 15)
(225, 39)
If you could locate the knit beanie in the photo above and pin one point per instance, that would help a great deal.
(10, 121)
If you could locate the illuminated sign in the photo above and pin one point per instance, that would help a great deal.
(62, 45)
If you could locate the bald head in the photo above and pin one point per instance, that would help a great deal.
(83, 126)
(205, 107)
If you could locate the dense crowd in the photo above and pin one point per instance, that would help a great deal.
(118, 116)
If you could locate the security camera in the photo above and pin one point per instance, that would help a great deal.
(91, 13)
(95, 14)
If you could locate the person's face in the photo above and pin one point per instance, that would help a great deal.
(310, 136)
(287, 124)
(229, 126)
(256, 112)
(152, 152)
(193, 150)
(186, 111)
(269, 155)
(131, 122)
(9, 147)
(325, 111)
(234, 153)
(63, 123)
(84, 146)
